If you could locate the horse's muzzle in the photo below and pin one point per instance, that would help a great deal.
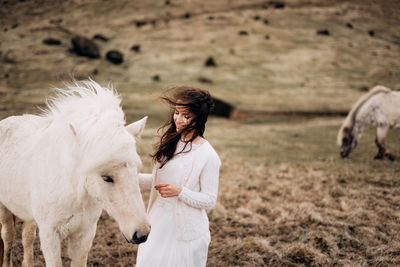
(138, 238)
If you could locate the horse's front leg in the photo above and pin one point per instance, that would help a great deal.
(7, 220)
(79, 245)
(50, 242)
(28, 237)
(381, 133)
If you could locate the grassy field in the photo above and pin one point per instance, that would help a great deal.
(286, 198)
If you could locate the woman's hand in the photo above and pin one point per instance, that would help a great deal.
(168, 190)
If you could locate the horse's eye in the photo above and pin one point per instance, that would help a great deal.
(107, 179)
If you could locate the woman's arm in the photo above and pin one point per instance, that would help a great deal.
(145, 180)
(207, 197)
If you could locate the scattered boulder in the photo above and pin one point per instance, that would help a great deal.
(100, 37)
(10, 57)
(222, 108)
(14, 26)
(115, 57)
(210, 62)
(211, 17)
(349, 25)
(371, 32)
(205, 80)
(140, 23)
(136, 48)
(278, 4)
(266, 21)
(156, 78)
(187, 15)
(167, 2)
(56, 21)
(83, 46)
(226, 110)
(243, 33)
(267, 37)
(51, 41)
(323, 32)
(256, 17)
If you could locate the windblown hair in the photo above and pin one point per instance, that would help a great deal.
(199, 103)
(349, 122)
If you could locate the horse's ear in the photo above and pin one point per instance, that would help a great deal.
(136, 128)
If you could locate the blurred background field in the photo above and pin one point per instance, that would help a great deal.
(293, 67)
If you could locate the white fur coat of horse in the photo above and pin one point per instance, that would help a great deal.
(380, 108)
(60, 169)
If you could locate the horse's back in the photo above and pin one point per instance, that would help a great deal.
(15, 138)
(380, 108)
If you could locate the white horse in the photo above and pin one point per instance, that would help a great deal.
(58, 170)
(380, 108)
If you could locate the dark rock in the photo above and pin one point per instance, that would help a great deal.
(211, 18)
(56, 21)
(51, 41)
(371, 32)
(278, 4)
(10, 57)
(14, 26)
(83, 46)
(349, 25)
(187, 15)
(267, 37)
(156, 78)
(266, 21)
(222, 108)
(100, 37)
(5, 29)
(205, 80)
(243, 33)
(140, 23)
(167, 2)
(323, 32)
(6, 75)
(210, 62)
(95, 72)
(256, 17)
(136, 48)
(115, 57)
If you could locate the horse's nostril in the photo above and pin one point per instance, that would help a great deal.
(138, 239)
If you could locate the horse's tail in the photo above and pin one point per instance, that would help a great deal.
(350, 120)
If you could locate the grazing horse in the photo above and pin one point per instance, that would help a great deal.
(380, 108)
(60, 169)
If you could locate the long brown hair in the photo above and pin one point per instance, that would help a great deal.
(199, 103)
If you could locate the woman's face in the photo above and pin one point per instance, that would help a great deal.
(182, 117)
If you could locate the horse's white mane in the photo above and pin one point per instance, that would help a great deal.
(86, 98)
(351, 117)
(84, 125)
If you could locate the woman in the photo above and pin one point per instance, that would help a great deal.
(184, 183)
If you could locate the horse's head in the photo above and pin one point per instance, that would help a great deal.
(347, 142)
(115, 183)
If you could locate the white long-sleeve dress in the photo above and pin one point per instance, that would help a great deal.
(180, 235)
